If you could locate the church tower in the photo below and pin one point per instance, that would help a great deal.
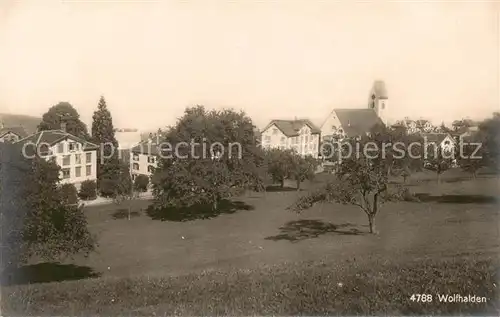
(379, 100)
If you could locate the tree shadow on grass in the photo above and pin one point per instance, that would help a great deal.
(45, 273)
(122, 213)
(457, 199)
(277, 188)
(303, 229)
(196, 212)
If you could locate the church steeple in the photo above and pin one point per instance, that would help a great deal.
(378, 99)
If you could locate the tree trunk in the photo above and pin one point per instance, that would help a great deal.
(282, 183)
(129, 212)
(404, 179)
(371, 221)
(438, 178)
(298, 185)
(474, 176)
(214, 205)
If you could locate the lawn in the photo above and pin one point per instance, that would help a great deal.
(259, 258)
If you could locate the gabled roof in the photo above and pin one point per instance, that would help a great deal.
(52, 137)
(357, 122)
(146, 147)
(436, 137)
(17, 130)
(291, 128)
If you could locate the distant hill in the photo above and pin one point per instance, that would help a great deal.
(29, 123)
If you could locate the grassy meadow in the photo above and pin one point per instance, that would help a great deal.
(258, 258)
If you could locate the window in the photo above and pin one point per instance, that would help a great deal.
(88, 170)
(135, 157)
(447, 142)
(307, 138)
(151, 159)
(135, 166)
(66, 160)
(383, 105)
(283, 140)
(275, 131)
(151, 168)
(72, 146)
(88, 157)
(78, 159)
(268, 138)
(78, 171)
(60, 148)
(44, 150)
(65, 173)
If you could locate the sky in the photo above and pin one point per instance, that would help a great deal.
(272, 59)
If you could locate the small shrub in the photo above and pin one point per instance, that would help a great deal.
(69, 194)
(141, 183)
(107, 187)
(88, 190)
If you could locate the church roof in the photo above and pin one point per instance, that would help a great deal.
(379, 89)
(357, 122)
(291, 128)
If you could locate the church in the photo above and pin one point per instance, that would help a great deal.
(342, 123)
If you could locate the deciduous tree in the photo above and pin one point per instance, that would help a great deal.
(361, 181)
(64, 112)
(212, 155)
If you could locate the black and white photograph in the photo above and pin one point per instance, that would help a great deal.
(249, 158)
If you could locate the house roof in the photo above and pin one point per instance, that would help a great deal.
(29, 123)
(291, 128)
(436, 137)
(357, 122)
(52, 137)
(18, 130)
(146, 147)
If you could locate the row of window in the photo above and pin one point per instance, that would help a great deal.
(151, 159)
(72, 146)
(78, 159)
(135, 167)
(304, 131)
(66, 172)
(295, 139)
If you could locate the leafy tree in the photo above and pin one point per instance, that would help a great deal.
(471, 157)
(423, 125)
(141, 183)
(196, 169)
(279, 164)
(125, 192)
(438, 160)
(490, 131)
(51, 228)
(463, 124)
(88, 190)
(444, 129)
(361, 181)
(64, 112)
(103, 134)
(302, 168)
(69, 194)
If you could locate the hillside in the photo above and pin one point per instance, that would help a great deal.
(29, 123)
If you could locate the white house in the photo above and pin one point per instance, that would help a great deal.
(350, 123)
(301, 135)
(12, 134)
(441, 140)
(76, 157)
(144, 158)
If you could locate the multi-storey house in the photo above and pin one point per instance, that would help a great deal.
(300, 134)
(76, 157)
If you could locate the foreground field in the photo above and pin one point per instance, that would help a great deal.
(259, 258)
